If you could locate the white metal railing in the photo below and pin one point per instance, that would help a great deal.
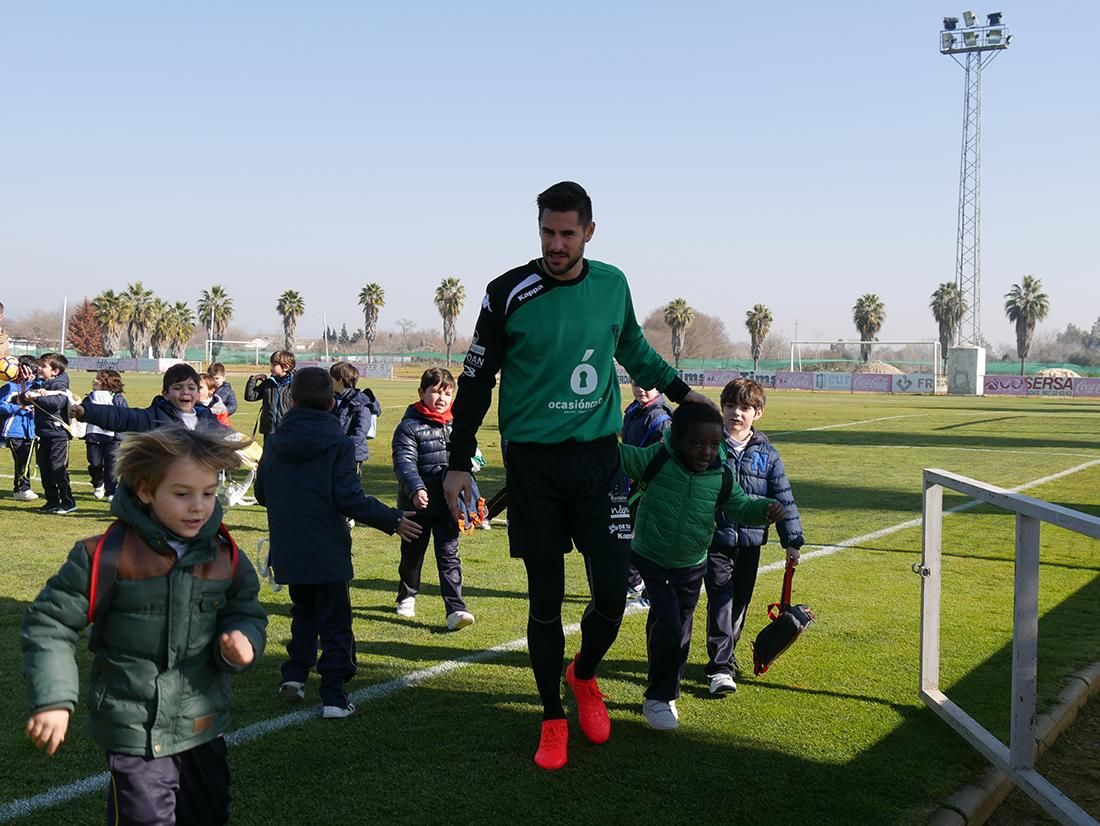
(1017, 760)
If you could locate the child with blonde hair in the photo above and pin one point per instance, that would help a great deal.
(175, 613)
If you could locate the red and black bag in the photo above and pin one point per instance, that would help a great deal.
(787, 622)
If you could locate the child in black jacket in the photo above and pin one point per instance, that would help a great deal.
(307, 482)
(420, 455)
(52, 401)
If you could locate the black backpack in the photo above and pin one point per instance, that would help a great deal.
(654, 467)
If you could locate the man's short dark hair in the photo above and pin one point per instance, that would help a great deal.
(564, 197)
(177, 373)
(692, 413)
(312, 388)
(437, 377)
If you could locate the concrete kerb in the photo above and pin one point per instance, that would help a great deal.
(975, 802)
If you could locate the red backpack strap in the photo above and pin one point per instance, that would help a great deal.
(104, 573)
(234, 551)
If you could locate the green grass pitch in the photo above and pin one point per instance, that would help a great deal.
(833, 733)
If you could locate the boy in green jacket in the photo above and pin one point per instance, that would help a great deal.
(672, 529)
(180, 616)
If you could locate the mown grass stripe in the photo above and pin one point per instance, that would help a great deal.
(71, 791)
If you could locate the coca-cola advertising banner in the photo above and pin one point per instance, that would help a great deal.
(794, 381)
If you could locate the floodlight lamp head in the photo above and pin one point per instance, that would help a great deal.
(970, 39)
(994, 36)
(947, 40)
(969, 19)
(950, 23)
(994, 18)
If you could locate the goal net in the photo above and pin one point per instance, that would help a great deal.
(845, 356)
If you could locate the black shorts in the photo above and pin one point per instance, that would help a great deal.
(566, 495)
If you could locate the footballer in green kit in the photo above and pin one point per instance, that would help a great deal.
(554, 328)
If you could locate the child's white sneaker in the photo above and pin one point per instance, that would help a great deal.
(406, 607)
(459, 619)
(25, 495)
(100, 492)
(337, 712)
(722, 684)
(292, 690)
(661, 715)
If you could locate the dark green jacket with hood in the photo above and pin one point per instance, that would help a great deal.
(676, 514)
(159, 684)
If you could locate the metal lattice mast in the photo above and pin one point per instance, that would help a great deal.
(979, 44)
(968, 259)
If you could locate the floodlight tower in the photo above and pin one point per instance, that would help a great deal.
(979, 44)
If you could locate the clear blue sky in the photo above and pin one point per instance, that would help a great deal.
(797, 155)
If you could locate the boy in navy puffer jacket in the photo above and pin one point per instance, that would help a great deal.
(420, 456)
(734, 554)
(355, 408)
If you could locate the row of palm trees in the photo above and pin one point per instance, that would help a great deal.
(450, 296)
(679, 315)
(150, 322)
(1025, 305)
(147, 321)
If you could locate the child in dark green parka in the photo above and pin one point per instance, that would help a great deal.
(181, 616)
(672, 529)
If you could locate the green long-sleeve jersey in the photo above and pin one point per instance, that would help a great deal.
(555, 344)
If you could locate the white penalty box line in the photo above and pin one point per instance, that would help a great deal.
(97, 782)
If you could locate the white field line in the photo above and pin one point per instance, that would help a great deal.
(912, 523)
(97, 782)
(966, 449)
(843, 424)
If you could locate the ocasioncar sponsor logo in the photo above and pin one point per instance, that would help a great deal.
(583, 381)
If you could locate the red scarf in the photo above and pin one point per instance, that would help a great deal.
(442, 418)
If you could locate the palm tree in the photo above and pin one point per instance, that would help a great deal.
(868, 314)
(758, 321)
(137, 308)
(948, 308)
(678, 316)
(372, 298)
(215, 303)
(160, 326)
(290, 307)
(450, 295)
(1026, 304)
(181, 328)
(111, 318)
